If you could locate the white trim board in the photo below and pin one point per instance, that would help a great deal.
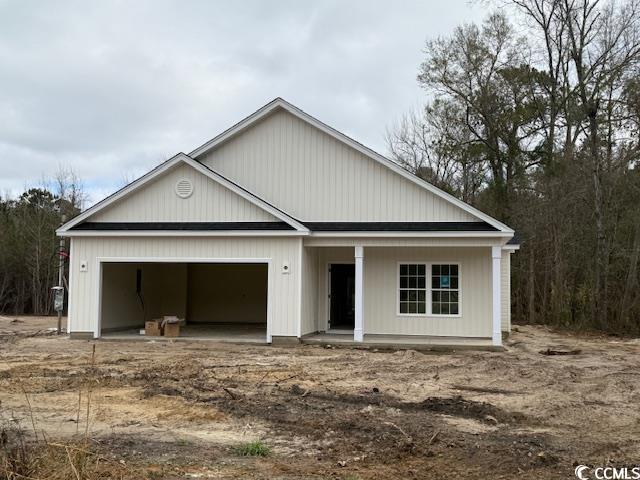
(164, 167)
(280, 103)
(356, 236)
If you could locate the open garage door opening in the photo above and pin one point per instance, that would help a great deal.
(220, 301)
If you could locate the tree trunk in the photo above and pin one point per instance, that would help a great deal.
(532, 288)
(631, 285)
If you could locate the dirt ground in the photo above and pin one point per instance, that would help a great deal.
(181, 409)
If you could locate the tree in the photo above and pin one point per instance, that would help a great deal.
(546, 130)
(28, 243)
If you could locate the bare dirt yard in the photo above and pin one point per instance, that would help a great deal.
(183, 409)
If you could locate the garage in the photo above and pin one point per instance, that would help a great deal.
(220, 301)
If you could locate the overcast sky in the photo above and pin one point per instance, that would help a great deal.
(112, 88)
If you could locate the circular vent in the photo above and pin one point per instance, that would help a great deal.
(184, 188)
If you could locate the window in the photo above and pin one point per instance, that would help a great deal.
(445, 290)
(413, 289)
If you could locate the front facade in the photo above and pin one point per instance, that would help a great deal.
(285, 224)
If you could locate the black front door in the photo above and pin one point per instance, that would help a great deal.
(342, 296)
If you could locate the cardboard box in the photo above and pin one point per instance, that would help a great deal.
(172, 329)
(153, 328)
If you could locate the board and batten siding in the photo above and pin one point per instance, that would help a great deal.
(283, 289)
(505, 298)
(381, 290)
(381, 281)
(309, 291)
(158, 202)
(314, 177)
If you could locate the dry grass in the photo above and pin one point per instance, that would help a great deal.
(180, 410)
(29, 454)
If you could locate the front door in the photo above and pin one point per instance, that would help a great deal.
(342, 296)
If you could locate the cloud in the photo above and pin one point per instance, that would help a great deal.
(113, 88)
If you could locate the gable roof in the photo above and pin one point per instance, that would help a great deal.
(164, 167)
(280, 103)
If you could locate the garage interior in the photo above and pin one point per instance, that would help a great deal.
(218, 301)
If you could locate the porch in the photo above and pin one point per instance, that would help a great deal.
(423, 292)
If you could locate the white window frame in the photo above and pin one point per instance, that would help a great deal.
(428, 288)
(459, 290)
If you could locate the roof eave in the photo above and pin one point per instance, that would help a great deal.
(181, 233)
(451, 234)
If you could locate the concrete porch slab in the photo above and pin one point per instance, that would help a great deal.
(403, 342)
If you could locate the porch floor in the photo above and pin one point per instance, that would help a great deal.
(414, 342)
(225, 333)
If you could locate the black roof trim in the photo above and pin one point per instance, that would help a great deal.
(400, 227)
(280, 226)
(180, 226)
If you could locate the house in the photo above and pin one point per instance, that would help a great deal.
(285, 228)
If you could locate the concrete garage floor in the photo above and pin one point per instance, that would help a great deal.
(254, 334)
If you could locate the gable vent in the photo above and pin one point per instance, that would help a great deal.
(184, 188)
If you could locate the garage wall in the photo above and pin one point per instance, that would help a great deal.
(121, 307)
(284, 293)
(163, 292)
(227, 293)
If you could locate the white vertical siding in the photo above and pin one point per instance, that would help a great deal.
(284, 299)
(309, 290)
(505, 282)
(158, 202)
(381, 290)
(314, 177)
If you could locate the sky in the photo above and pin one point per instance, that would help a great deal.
(112, 88)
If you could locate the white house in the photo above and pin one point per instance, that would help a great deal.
(284, 226)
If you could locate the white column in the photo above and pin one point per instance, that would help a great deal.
(496, 257)
(358, 330)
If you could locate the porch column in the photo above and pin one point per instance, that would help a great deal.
(358, 330)
(496, 257)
